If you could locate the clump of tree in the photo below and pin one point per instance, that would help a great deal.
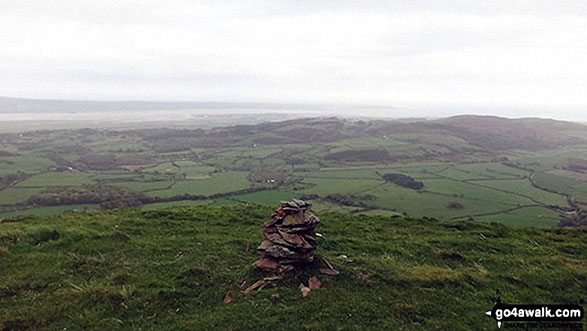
(574, 219)
(147, 200)
(404, 181)
(108, 197)
(267, 176)
(577, 217)
(307, 197)
(455, 205)
(349, 200)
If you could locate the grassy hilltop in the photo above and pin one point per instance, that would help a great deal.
(169, 269)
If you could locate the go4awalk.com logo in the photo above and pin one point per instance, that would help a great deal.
(543, 315)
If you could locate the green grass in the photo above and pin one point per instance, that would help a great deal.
(415, 204)
(56, 179)
(223, 202)
(482, 171)
(461, 174)
(379, 212)
(115, 144)
(563, 185)
(183, 169)
(114, 175)
(142, 186)
(324, 187)
(531, 216)
(15, 195)
(471, 191)
(266, 197)
(164, 168)
(416, 170)
(181, 203)
(524, 187)
(492, 170)
(193, 170)
(259, 152)
(343, 174)
(325, 206)
(373, 172)
(51, 210)
(25, 163)
(434, 139)
(545, 160)
(220, 182)
(170, 269)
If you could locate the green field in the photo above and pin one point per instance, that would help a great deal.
(324, 187)
(218, 183)
(15, 195)
(146, 186)
(183, 169)
(56, 179)
(534, 216)
(25, 163)
(472, 190)
(577, 189)
(266, 197)
(412, 202)
(51, 210)
(184, 203)
(525, 189)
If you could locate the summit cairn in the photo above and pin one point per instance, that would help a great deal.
(289, 238)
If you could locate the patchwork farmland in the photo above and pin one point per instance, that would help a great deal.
(518, 178)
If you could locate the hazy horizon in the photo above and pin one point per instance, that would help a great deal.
(430, 58)
(26, 109)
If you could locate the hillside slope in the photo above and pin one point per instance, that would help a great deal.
(488, 132)
(170, 269)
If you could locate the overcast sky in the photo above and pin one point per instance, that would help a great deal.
(507, 57)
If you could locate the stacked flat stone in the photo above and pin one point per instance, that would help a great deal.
(289, 238)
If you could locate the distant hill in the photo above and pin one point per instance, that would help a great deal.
(527, 133)
(488, 132)
(170, 269)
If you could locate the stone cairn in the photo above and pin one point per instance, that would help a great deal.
(289, 238)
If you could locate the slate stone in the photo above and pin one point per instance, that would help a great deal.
(289, 238)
